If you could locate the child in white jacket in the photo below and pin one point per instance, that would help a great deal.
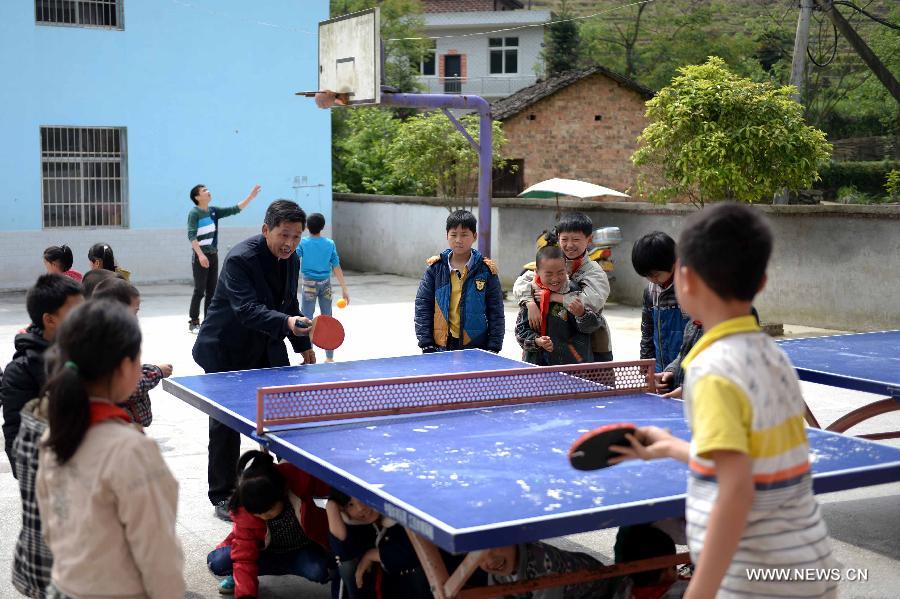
(106, 497)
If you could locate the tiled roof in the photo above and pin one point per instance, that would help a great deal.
(511, 105)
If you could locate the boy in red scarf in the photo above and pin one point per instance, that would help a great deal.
(573, 234)
(564, 334)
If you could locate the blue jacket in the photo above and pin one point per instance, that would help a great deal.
(246, 326)
(662, 325)
(481, 319)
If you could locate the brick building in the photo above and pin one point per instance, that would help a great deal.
(579, 125)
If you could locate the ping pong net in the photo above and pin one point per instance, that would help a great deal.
(320, 402)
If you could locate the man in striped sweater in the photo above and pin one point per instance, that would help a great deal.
(203, 233)
(750, 503)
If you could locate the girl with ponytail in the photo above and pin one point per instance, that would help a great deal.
(58, 259)
(101, 256)
(276, 530)
(105, 495)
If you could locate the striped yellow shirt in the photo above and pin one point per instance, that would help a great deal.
(741, 394)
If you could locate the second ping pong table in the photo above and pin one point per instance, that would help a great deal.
(868, 362)
(474, 478)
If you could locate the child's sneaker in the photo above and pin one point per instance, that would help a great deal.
(226, 586)
(194, 326)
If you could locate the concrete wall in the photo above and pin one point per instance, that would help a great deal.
(205, 90)
(833, 266)
(152, 255)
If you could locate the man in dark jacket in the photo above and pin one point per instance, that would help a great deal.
(47, 302)
(254, 308)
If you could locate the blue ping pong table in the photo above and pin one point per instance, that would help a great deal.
(868, 362)
(473, 479)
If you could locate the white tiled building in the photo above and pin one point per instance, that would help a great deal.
(469, 59)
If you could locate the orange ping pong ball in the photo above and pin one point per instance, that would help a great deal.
(342, 303)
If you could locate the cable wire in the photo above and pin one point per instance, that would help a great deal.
(834, 44)
(875, 18)
(518, 27)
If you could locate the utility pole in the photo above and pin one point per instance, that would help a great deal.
(884, 75)
(801, 41)
(798, 68)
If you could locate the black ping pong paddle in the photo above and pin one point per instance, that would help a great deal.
(591, 450)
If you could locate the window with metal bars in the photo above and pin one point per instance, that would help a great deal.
(80, 13)
(84, 177)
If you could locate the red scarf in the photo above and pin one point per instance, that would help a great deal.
(544, 296)
(545, 304)
(574, 264)
(102, 411)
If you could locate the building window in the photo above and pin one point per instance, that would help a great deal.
(504, 55)
(427, 65)
(80, 13)
(509, 181)
(84, 176)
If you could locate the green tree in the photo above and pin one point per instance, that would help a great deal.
(352, 168)
(716, 136)
(432, 156)
(648, 42)
(361, 149)
(562, 49)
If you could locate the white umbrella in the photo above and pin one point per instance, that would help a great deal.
(568, 187)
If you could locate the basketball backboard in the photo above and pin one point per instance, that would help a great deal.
(350, 56)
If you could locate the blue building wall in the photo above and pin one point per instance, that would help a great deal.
(205, 89)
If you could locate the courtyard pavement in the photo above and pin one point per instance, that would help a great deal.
(863, 523)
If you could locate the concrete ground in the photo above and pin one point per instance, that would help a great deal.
(863, 523)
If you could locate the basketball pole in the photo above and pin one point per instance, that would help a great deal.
(484, 145)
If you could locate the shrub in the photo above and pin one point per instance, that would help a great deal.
(866, 177)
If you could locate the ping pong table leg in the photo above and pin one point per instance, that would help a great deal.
(431, 561)
(810, 417)
(462, 573)
(871, 410)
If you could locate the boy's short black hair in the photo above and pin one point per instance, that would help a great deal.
(643, 541)
(575, 222)
(48, 295)
(284, 211)
(195, 191)
(464, 219)
(315, 223)
(92, 278)
(114, 288)
(654, 252)
(728, 245)
(548, 252)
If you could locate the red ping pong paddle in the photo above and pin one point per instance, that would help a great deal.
(326, 332)
(591, 450)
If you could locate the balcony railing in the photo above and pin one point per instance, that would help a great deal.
(490, 87)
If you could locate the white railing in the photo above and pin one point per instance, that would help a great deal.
(497, 86)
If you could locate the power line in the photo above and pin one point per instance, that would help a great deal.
(210, 11)
(518, 27)
(875, 18)
(240, 19)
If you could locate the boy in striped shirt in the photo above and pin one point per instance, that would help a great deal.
(203, 233)
(750, 503)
